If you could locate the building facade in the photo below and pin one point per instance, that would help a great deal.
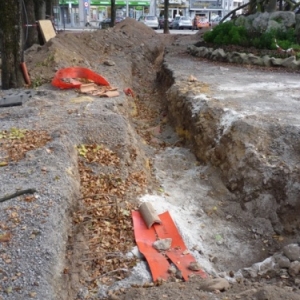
(75, 13)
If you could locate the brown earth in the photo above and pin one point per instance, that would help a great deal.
(135, 53)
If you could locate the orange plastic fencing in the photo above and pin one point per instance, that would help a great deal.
(69, 78)
(178, 253)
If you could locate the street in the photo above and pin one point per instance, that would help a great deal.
(172, 31)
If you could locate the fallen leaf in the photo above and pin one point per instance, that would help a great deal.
(5, 237)
(30, 198)
(192, 78)
(32, 294)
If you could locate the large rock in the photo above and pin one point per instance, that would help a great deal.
(216, 284)
(261, 22)
(286, 18)
(294, 268)
(292, 252)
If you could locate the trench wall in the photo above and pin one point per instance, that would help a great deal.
(258, 160)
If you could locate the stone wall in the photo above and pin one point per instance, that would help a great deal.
(259, 22)
(243, 58)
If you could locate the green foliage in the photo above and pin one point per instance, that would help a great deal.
(13, 134)
(278, 20)
(265, 41)
(229, 34)
(38, 81)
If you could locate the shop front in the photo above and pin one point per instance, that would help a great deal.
(68, 12)
(134, 9)
(176, 8)
(206, 8)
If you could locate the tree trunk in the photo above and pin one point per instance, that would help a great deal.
(31, 34)
(11, 33)
(113, 13)
(271, 6)
(49, 7)
(166, 17)
(40, 9)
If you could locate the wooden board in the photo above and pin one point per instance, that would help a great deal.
(47, 30)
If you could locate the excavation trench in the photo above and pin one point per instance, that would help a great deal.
(215, 169)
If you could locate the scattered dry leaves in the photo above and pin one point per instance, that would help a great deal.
(16, 142)
(104, 216)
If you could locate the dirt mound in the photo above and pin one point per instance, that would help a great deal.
(127, 41)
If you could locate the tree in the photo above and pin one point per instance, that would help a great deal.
(11, 35)
(113, 13)
(166, 17)
(30, 32)
(16, 36)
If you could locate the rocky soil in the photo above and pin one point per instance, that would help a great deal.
(89, 160)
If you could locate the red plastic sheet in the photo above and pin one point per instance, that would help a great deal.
(68, 78)
(144, 238)
(178, 253)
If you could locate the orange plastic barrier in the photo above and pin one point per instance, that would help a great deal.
(25, 73)
(178, 253)
(144, 238)
(64, 78)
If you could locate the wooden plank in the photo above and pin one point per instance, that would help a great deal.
(47, 30)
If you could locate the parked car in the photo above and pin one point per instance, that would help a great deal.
(215, 21)
(151, 21)
(182, 23)
(106, 22)
(161, 22)
(202, 23)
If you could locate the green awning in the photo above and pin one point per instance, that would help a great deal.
(68, 1)
(137, 3)
(107, 2)
(131, 3)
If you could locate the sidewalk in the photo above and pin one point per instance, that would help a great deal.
(76, 27)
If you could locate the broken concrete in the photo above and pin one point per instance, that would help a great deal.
(163, 245)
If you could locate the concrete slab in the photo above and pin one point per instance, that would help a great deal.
(15, 98)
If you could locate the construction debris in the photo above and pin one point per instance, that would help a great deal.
(149, 215)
